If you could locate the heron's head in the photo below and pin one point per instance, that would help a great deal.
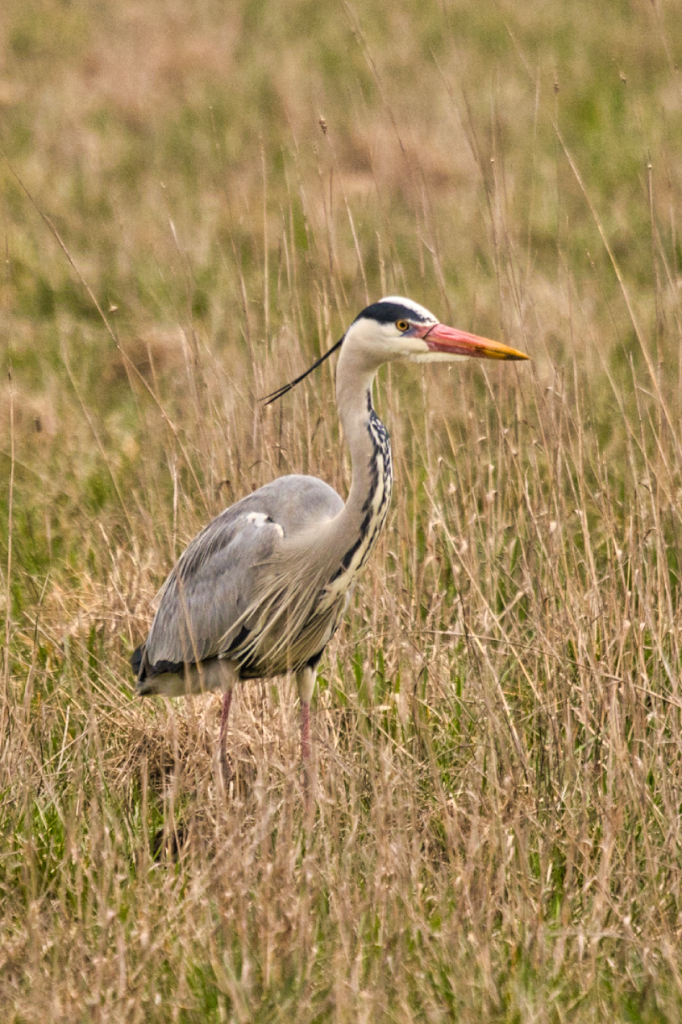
(398, 328)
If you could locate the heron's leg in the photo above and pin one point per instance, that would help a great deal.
(227, 681)
(306, 684)
(227, 701)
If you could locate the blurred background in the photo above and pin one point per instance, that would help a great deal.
(237, 181)
(196, 198)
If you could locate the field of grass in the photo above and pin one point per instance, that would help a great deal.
(196, 198)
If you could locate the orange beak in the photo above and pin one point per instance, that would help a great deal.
(440, 338)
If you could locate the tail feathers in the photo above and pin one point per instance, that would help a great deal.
(146, 674)
(177, 679)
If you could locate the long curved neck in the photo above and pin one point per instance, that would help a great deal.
(358, 526)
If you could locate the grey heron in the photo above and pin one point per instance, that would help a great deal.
(261, 590)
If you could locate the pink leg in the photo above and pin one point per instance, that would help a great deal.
(306, 685)
(308, 779)
(227, 701)
(225, 764)
(305, 733)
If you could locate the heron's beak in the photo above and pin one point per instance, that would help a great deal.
(447, 339)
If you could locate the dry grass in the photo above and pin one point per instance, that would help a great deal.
(496, 830)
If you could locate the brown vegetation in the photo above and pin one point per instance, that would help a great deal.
(496, 831)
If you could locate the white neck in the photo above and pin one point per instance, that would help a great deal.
(355, 530)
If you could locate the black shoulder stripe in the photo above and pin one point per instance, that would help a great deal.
(239, 640)
(174, 667)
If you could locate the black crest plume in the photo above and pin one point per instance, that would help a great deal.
(269, 399)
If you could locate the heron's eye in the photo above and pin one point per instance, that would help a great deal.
(402, 325)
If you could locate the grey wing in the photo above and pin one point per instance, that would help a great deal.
(218, 577)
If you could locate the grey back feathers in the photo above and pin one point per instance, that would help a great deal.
(229, 576)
